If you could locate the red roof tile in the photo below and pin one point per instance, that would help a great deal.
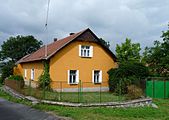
(51, 49)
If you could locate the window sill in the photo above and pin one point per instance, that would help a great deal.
(85, 57)
(98, 83)
(73, 83)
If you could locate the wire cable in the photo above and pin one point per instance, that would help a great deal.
(46, 25)
(47, 14)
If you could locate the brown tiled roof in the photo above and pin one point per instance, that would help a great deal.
(51, 49)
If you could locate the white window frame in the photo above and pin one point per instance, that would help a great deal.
(32, 74)
(83, 52)
(25, 73)
(77, 77)
(93, 76)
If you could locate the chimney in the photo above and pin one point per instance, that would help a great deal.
(71, 33)
(55, 39)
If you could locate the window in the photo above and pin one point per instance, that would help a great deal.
(32, 74)
(25, 73)
(73, 76)
(97, 76)
(85, 51)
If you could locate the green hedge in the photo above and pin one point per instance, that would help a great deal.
(16, 77)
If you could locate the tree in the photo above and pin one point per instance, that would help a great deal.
(16, 47)
(107, 44)
(157, 57)
(7, 70)
(130, 70)
(128, 51)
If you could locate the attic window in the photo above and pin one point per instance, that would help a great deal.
(85, 51)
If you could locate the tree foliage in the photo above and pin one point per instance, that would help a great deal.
(130, 70)
(16, 47)
(6, 70)
(107, 44)
(128, 51)
(157, 57)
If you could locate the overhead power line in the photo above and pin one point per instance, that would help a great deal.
(47, 14)
(46, 25)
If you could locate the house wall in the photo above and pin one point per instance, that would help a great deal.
(38, 69)
(17, 70)
(69, 59)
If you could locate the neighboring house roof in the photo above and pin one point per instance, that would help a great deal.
(53, 48)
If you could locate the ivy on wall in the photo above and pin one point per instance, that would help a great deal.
(44, 78)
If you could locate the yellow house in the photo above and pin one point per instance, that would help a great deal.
(79, 57)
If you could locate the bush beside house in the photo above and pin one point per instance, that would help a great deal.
(126, 79)
(15, 82)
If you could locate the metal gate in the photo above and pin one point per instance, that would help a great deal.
(157, 87)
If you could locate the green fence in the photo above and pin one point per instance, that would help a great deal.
(157, 88)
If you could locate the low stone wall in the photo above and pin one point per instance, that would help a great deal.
(132, 103)
(86, 89)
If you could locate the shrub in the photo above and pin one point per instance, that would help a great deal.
(1, 80)
(15, 77)
(19, 80)
(134, 92)
(126, 74)
(121, 86)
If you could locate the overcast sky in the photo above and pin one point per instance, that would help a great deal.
(113, 20)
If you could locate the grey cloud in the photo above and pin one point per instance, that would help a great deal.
(140, 20)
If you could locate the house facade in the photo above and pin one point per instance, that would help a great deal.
(80, 57)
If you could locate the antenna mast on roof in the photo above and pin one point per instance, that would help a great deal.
(46, 25)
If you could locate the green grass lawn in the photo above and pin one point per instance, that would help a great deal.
(85, 97)
(102, 113)
(13, 99)
(148, 113)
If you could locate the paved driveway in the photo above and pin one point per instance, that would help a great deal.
(14, 111)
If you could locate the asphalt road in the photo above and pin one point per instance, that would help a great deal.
(15, 111)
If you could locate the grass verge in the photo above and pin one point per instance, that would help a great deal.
(83, 97)
(102, 113)
(13, 99)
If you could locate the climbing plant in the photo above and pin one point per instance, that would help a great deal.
(44, 78)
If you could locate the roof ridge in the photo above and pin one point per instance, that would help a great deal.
(64, 38)
(75, 36)
(54, 47)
